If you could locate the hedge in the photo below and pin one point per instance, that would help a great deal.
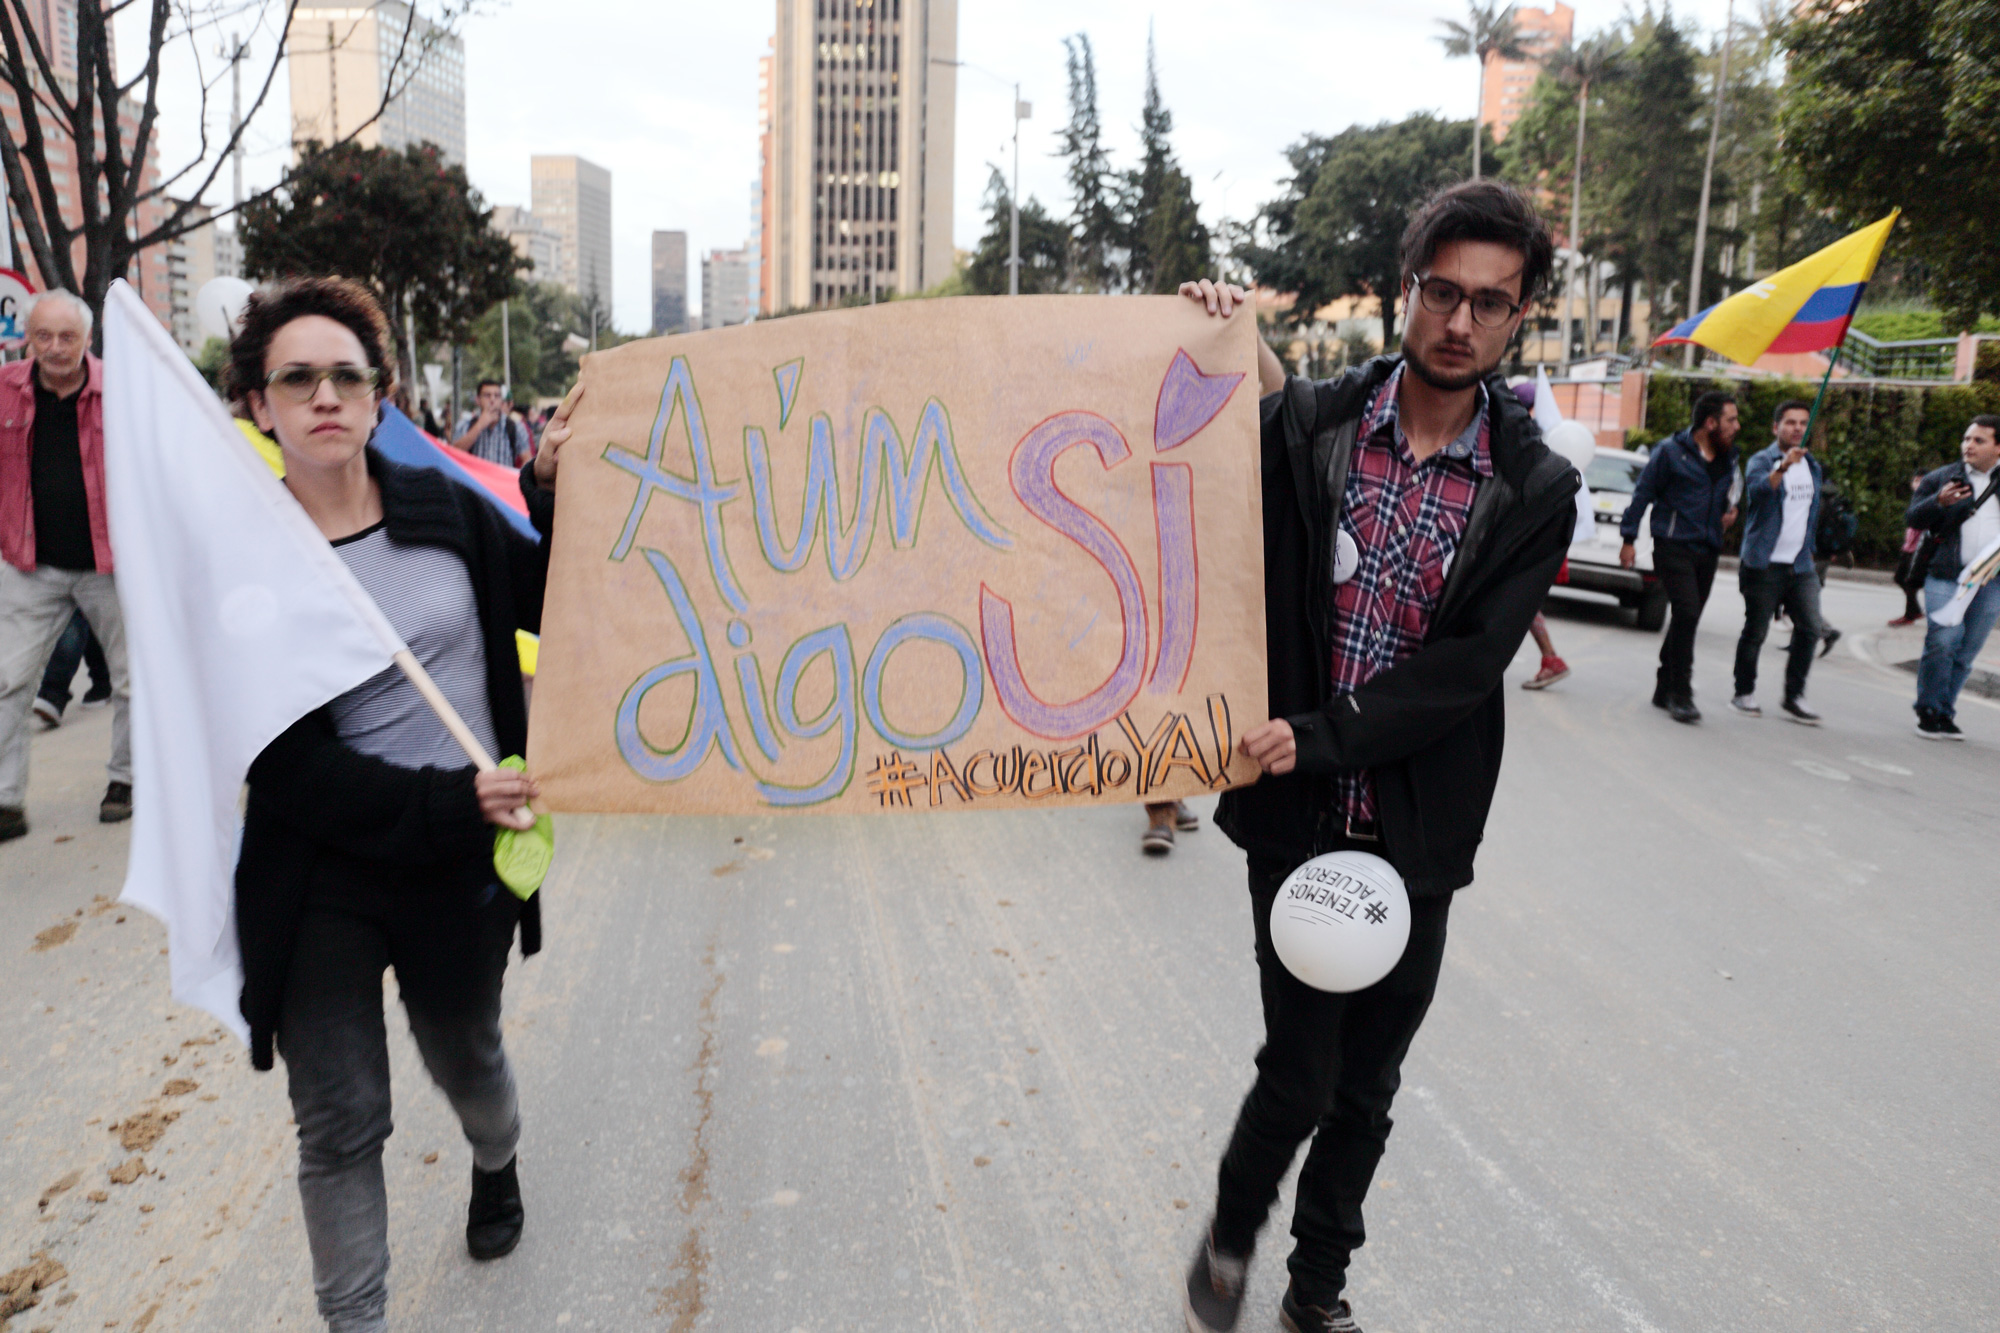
(1870, 437)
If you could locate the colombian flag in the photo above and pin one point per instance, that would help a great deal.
(1804, 308)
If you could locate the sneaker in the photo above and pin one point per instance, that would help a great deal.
(13, 823)
(1900, 621)
(95, 697)
(1553, 670)
(1683, 710)
(1826, 644)
(1660, 699)
(1796, 710)
(1932, 727)
(50, 715)
(1214, 1288)
(116, 807)
(1746, 706)
(1950, 728)
(494, 1218)
(1186, 820)
(1297, 1318)
(1157, 840)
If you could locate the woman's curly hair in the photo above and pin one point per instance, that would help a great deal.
(271, 308)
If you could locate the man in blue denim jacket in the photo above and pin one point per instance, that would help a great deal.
(1782, 485)
(1691, 485)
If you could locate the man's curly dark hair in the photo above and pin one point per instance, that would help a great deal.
(271, 308)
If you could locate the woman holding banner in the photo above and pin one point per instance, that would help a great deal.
(368, 840)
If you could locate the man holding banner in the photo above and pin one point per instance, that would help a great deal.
(1956, 505)
(1413, 522)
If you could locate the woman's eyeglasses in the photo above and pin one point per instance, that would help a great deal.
(1441, 296)
(300, 383)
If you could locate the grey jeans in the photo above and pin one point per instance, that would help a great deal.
(335, 1044)
(1764, 591)
(34, 610)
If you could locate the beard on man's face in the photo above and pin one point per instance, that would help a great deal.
(1416, 356)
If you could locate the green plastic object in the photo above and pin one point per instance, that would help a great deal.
(521, 857)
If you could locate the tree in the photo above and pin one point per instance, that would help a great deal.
(1097, 225)
(1488, 30)
(1898, 105)
(539, 319)
(1338, 228)
(1652, 147)
(1168, 244)
(1044, 245)
(78, 116)
(407, 224)
(1581, 66)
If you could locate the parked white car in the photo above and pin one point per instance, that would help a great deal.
(1593, 560)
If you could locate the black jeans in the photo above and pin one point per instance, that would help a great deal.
(77, 644)
(1688, 573)
(336, 1050)
(1329, 1067)
(1764, 591)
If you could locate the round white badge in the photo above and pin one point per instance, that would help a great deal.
(1341, 921)
(1346, 557)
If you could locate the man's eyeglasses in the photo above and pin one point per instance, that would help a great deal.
(1441, 296)
(300, 383)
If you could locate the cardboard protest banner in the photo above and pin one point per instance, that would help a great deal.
(929, 555)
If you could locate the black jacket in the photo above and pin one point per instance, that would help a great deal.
(1687, 493)
(1944, 521)
(323, 819)
(1430, 728)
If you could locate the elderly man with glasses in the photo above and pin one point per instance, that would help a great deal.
(55, 541)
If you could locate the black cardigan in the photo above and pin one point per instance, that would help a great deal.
(324, 817)
(1430, 728)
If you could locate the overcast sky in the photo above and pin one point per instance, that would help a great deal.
(664, 94)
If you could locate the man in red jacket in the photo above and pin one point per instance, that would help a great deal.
(55, 541)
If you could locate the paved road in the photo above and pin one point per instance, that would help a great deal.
(1713, 1050)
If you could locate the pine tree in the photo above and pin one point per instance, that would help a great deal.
(1044, 245)
(1167, 242)
(1097, 227)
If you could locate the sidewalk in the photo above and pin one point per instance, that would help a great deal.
(1901, 647)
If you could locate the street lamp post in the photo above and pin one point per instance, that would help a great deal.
(1708, 173)
(1022, 111)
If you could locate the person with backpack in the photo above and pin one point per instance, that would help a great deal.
(1956, 509)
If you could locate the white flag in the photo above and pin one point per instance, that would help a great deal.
(239, 620)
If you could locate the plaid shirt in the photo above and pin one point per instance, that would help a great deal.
(1406, 519)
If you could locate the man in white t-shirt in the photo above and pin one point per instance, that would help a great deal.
(1781, 490)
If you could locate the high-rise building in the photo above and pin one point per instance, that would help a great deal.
(1543, 32)
(346, 55)
(573, 197)
(725, 288)
(860, 162)
(766, 234)
(754, 247)
(534, 240)
(670, 282)
(193, 258)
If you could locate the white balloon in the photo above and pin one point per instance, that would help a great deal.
(1574, 441)
(218, 306)
(1341, 921)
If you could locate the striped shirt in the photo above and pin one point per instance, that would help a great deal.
(427, 596)
(1406, 519)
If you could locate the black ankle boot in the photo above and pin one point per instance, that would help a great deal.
(494, 1218)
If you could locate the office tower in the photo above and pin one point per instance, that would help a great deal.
(573, 197)
(725, 288)
(860, 163)
(534, 240)
(1543, 32)
(754, 247)
(766, 235)
(345, 56)
(193, 258)
(670, 282)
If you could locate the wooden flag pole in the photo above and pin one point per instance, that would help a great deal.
(453, 723)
